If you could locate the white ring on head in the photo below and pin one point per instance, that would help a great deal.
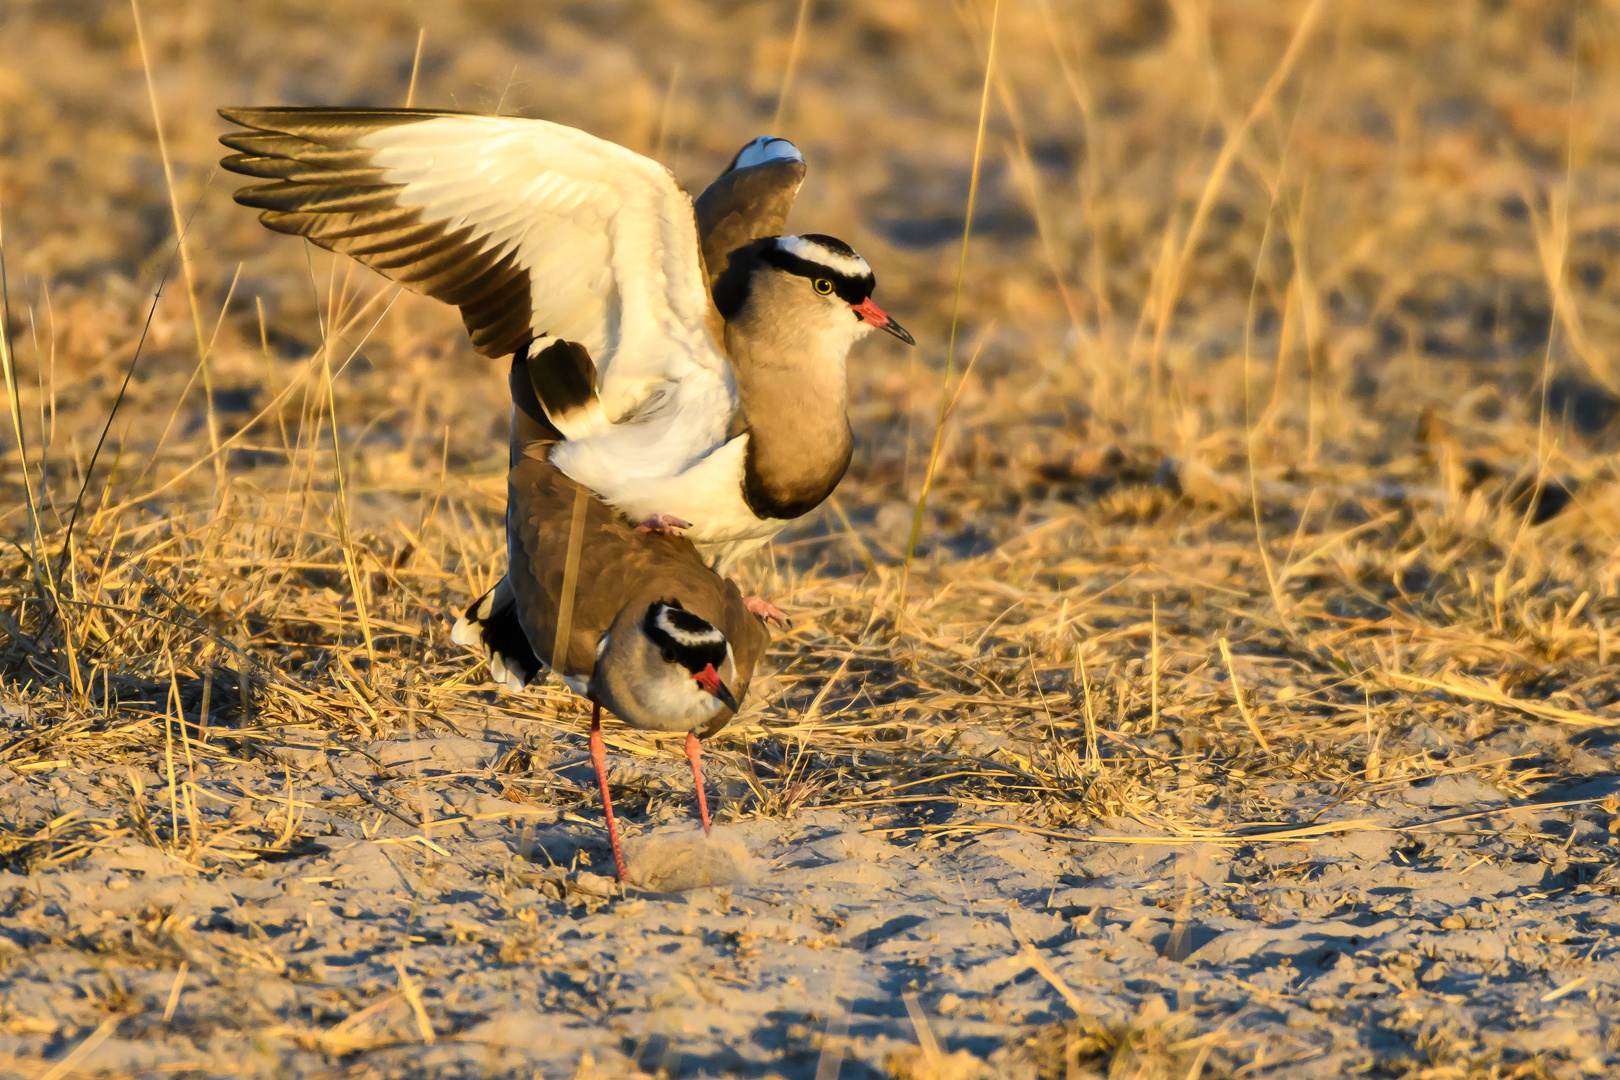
(711, 636)
(767, 148)
(836, 261)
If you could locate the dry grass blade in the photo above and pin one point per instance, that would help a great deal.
(1472, 690)
(919, 1024)
(174, 992)
(1231, 145)
(41, 567)
(351, 562)
(416, 68)
(1237, 694)
(187, 268)
(565, 599)
(71, 1060)
(423, 1025)
(1044, 969)
(956, 310)
(800, 21)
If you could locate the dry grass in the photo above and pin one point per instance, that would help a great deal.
(1287, 455)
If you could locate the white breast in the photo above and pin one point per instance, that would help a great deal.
(707, 491)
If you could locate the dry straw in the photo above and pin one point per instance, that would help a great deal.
(956, 315)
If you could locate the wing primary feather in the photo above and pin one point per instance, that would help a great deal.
(300, 172)
(320, 124)
(349, 232)
(491, 623)
(319, 198)
(277, 145)
(453, 284)
(380, 244)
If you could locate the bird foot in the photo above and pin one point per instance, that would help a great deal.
(767, 611)
(667, 524)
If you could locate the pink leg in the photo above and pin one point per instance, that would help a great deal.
(693, 750)
(668, 524)
(767, 611)
(599, 759)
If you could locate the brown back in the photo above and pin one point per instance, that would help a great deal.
(617, 566)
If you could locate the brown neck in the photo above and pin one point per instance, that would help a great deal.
(796, 404)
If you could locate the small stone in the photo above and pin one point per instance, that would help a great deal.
(1453, 922)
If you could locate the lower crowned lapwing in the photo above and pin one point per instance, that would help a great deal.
(631, 620)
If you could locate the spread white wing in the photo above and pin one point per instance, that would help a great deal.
(534, 230)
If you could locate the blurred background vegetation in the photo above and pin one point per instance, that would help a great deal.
(1421, 210)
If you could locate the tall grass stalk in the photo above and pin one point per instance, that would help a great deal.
(799, 24)
(956, 315)
(416, 68)
(187, 270)
(44, 578)
(1165, 299)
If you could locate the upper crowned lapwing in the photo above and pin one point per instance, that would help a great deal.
(547, 237)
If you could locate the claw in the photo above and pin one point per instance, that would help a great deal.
(667, 524)
(767, 611)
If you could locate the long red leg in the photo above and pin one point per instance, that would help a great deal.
(693, 750)
(599, 759)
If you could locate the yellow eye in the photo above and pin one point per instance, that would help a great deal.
(824, 286)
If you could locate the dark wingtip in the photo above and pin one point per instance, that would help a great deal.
(563, 378)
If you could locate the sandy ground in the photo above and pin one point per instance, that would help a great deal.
(491, 924)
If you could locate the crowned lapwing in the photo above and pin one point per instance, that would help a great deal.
(791, 467)
(544, 235)
(652, 634)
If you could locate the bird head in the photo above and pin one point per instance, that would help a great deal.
(664, 668)
(831, 281)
